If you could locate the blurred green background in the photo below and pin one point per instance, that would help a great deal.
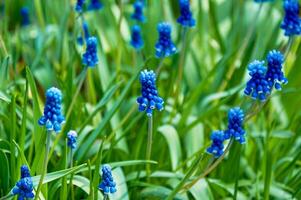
(45, 54)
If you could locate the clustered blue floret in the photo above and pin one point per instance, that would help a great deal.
(24, 187)
(235, 121)
(95, 5)
(164, 47)
(86, 33)
(138, 11)
(136, 38)
(291, 23)
(257, 87)
(186, 18)
(150, 98)
(274, 75)
(25, 16)
(217, 146)
(107, 185)
(90, 57)
(79, 6)
(52, 118)
(71, 139)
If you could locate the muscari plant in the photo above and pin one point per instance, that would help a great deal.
(263, 79)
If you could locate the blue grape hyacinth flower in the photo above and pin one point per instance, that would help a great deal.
(79, 6)
(71, 139)
(25, 16)
(95, 5)
(138, 12)
(291, 23)
(186, 18)
(90, 57)
(274, 75)
(150, 98)
(107, 184)
(164, 47)
(52, 118)
(136, 38)
(24, 187)
(217, 146)
(257, 87)
(235, 122)
(86, 33)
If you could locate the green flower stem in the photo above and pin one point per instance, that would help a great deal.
(106, 197)
(48, 137)
(10, 195)
(149, 143)
(160, 67)
(288, 46)
(71, 177)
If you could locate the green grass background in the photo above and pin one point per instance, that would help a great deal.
(111, 130)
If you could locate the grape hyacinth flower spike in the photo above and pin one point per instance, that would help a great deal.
(291, 23)
(86, 34)
(52, 118)
(164, 47)
(136, 38)
(217, 146)
(150, 98)
(274, 75)
(257, 87)
(95, 5)
(235, 121)
(186, 18)
(90, 57)
(107, 184)
(24, 187)
(71, 139)
(25, 16)
(79, 6)
(138, 11)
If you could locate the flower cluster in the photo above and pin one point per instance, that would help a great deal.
(107, 185)
(291, 23)
(263, 78)
(79, 6)
(164, 47)
(24, 187)
(90, 57)
(274, 75)
(257, 86)
(235, 121)
(71, 139)
(86, 34)
(25, 16)
(234, 130)
(150, 98)
(95, 5)
(52, 117)
(217, 146)
(186, 18)
(136, 38)
(138, 11)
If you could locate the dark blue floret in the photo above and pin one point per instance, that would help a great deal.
(71, 139)
(291, 23)
(90, 57)
(186, 18)
(235, 123)
(79, 6)
(107, 185)
(274, 75)
(24, 187)
(164, 47)
(52, 117)
(150, 98)
(138, 11)
(217, 146)
(257, 87)
(25, 16)
(136, 38)
(95, 5)
(86, 34)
